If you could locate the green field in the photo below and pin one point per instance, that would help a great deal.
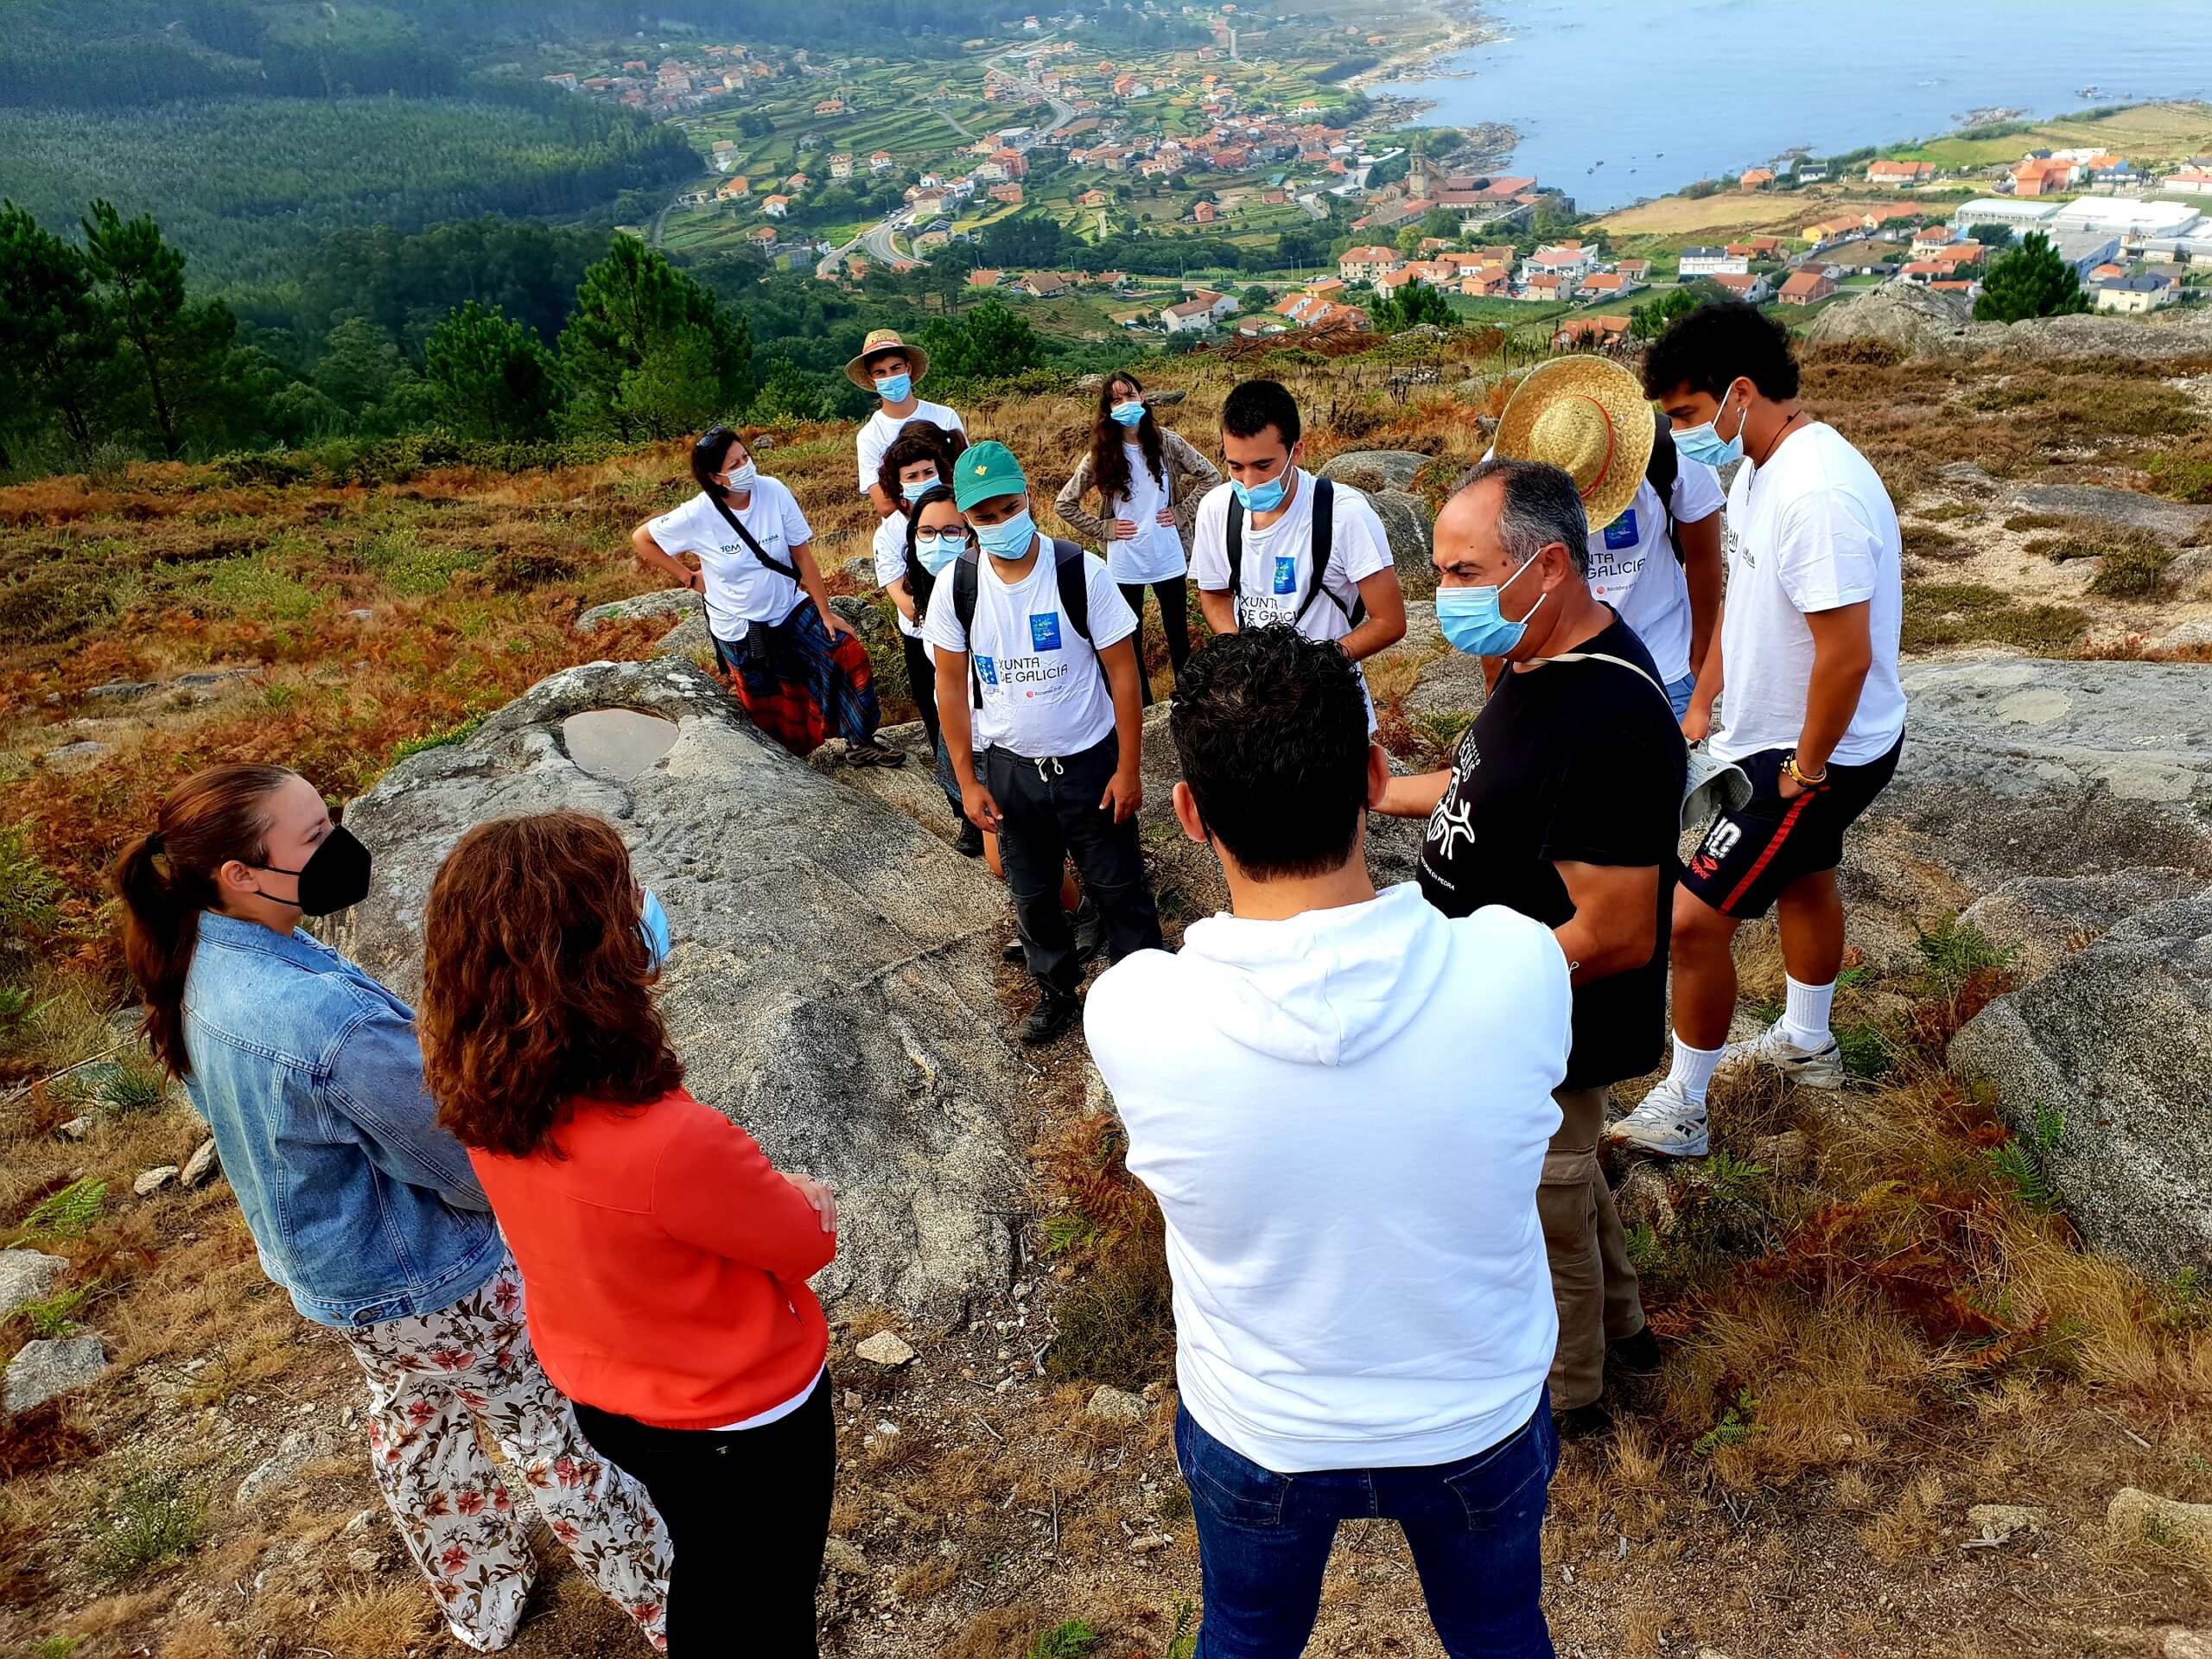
(2147, 132)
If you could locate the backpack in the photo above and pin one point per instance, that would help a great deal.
(746, 536)
(1324, 543)
(1075, 600)
(1661, 472)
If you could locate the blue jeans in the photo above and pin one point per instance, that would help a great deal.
(1678, 693)
(1475, 1529)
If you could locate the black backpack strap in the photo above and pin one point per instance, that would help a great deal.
(1323, 547)
(746, 536)
(1074, 584)
(1662, 471)
(1237, 556)
(963, 606)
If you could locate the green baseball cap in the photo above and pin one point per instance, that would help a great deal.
(985, 470)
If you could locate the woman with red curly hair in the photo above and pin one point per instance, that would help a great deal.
(664, 1258)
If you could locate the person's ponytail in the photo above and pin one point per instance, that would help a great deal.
(166, 878)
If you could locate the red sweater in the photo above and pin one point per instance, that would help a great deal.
(665, 1264)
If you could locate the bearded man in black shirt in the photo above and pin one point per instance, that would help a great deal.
(1562, 803)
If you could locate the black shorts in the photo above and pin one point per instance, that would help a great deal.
(1751, 855)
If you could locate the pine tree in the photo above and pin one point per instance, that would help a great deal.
(179, 349)
(2032, 280)
(648, 353)
(489, 376)
(52, 335)
(1411, 306)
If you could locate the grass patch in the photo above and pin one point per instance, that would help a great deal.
(28, 890)
(1940, 614)
(445, 737)
(151, 1515)
(411, 568)
(1926, 541)
(243, 586)
(1951, 512)
(2027, 521)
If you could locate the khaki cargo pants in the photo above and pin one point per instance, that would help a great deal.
(1592, 1280)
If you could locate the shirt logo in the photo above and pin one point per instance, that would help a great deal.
(1286, 573)
(1622, 531)
(1045, 632)
(987, 670)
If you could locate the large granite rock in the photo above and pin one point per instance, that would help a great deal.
(2118, 1037)
(1921, 322)
(2038, 919)
(2120, 508)
(1900, 314)
(659, 601)
(1382, 476)
(831, 984)
(2022, 766)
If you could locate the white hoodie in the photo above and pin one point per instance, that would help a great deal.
(1344, 1117)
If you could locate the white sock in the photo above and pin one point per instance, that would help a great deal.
(1805, 1013)
(1692, 1070)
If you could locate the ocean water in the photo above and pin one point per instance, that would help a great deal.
(1664, 93)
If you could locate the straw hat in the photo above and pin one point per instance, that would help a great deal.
(1588, 417)
(885, 340)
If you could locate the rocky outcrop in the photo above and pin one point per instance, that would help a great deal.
(830, 986)
(2038, 919)
(2117, 1038)
(1915, 320)
(1382, 476)
(28, 1277)
(2175, 521)
(659, 602)
(1920, 322)
(2022, 766)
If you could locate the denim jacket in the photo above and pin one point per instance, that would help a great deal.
(309, 1076)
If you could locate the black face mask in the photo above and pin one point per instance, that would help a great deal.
(334, 878)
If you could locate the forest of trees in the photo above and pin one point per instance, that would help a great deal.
(492, 329)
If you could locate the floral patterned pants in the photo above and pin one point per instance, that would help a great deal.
(437, 1386)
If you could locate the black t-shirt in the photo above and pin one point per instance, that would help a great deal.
(1569, 763)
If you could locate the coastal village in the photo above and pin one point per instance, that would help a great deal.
(1248, 126)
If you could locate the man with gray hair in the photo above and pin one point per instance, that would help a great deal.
(1561, 802)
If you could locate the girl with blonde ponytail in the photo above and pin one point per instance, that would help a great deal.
(364, 1209)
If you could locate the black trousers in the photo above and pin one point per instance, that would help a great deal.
(1174, 616)
(1048, 812)
(749, 1517)
(921, 673)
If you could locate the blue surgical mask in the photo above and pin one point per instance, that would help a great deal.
(1129, 414)
(1471, 622)
(1263, 497)
(916, 492)
(652, 922)
(893, 388)
(1704, 442)
(938, 549)
(1009, 540)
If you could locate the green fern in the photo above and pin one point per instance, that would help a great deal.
(1738, 1423)
(1185, 1643)
(2022, 1162)
(1072, 1640)
(67, 1214)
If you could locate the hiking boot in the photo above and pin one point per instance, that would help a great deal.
(968, 843)
(872, 754)
(1090, 931)
(1012, 951)
(1582, 1422)
(1813, 1068)
(1665, 1123)
(1055, 1013)
(1635, 1355)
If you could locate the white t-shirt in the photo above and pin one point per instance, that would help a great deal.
(741, 590)
(1633, 568)
(881, 430)
(1044, 691)
(1155, 552)
(891, 561)
(1278, 562)
(1811, 530)
(1344, 1117)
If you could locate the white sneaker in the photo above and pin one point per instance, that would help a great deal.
(1667, 1123)
(1815, 1068)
